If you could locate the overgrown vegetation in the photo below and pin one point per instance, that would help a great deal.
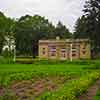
(78, 77)
(72, 89)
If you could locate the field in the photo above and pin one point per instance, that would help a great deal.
(47, 81)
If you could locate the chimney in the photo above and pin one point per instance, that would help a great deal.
(57, 38)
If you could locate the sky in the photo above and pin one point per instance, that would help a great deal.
(66, 11)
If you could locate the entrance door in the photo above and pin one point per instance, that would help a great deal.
(63, 54)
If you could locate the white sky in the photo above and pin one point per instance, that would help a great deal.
(66, 11)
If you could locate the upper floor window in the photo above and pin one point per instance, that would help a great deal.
(63, 50)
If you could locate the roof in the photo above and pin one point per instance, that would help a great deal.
(63, 40)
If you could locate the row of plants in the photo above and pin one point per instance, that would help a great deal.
(57, 61)
(30, 60)
(72, 89)
(7, 79)
(24, 60)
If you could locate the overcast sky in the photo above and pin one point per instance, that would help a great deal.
(66, 11)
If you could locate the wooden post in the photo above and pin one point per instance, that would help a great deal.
(14, 59)
(71, 52)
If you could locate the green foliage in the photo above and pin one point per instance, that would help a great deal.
(88, 25)
(7, 60)
(10, 72)
(50, 61)
(78, 81)
(25, 60)
(81, 28)
(72, 89)
(93, 66)
(7, 53)
(62, 31)
(7, 27)
(30, 29)
(26, 32)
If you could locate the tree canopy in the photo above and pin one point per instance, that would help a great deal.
(88, 26)
(27, 30)
(6, 29)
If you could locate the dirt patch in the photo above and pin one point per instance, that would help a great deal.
(28, 89)
(91, 92)
(2, 91)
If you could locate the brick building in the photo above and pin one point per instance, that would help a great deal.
(64, 49)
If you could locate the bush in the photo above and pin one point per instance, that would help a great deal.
(54, 61)
(6, 60)
(7, 53)
(24, 60)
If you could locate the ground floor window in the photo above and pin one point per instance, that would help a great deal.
(52, 50)
(63, 52)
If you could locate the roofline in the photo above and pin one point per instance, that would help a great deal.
(64, 40)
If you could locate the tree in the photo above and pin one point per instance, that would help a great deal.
(6, 30)
(2, 30)
(92, 13)
(81, 28)
(90, 27)
(30, 29)
(62, 31)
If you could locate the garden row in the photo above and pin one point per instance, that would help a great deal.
(6, 80)
(13, 72)
(72, 89)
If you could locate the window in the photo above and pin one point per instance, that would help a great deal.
(63, 52)
(43, 51)
(73, 54)
(84, 52)
(64, 55)
(52, 50)
(53, 53)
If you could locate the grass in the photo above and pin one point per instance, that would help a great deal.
(20, 72)
(25, 70)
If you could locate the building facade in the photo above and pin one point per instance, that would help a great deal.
(68, 49)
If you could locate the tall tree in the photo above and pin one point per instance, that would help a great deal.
(91, 26)
(6, 29)
(2, 30)
(29, 30)
(62, 31)
(81, 28)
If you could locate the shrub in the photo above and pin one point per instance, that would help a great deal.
(6, 60)
(24, 59)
